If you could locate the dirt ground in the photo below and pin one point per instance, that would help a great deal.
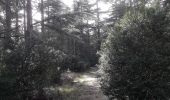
(81, 86)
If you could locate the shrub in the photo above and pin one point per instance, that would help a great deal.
(78, 65)
(135, 58)
(24, 73)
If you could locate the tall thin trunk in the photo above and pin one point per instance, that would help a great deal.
(24, 17)
(7, 25)
(81, 17)
(8, 16)
(29, 15)
(28, 33)
(98, 27)
(48, 12)
(16, 24)
(29, 23)
(42, 16)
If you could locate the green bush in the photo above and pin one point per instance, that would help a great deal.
(135, 58)
(78, 65)
(24, 73)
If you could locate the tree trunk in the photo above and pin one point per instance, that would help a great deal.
(16, 24)
(29, 16)
(29, 24)
(24, 16)
(98, 27)
(42, 16)
(7, 40)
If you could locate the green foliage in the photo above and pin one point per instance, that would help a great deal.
(31, 61)
(135, 57)
(23, 73)
(76, 64)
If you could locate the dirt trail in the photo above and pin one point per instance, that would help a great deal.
(82, 86)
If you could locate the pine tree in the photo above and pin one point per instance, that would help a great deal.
(135, 57)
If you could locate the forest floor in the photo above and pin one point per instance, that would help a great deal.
(81, 86)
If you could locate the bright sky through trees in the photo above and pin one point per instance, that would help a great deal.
(103, 7)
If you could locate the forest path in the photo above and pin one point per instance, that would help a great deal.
(82, 86)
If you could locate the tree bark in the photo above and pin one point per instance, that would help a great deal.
(42, 16)
(7, 24)
(24, 16)
(16, 24)
(98, 26)
(29, 24)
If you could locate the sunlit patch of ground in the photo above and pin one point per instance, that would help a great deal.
(67, 89)
(86, 80)
(77, 86)
(81, 86)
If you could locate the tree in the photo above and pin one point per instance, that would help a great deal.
(42, 16)
(31, 64)
(7, 43)
(135, 57)
(98, 26)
